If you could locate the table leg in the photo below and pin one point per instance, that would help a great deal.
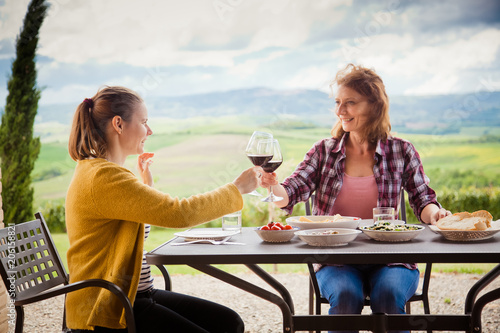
(478, 286)
(251, 288)
(273, 283)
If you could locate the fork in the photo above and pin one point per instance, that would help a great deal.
(211, 241)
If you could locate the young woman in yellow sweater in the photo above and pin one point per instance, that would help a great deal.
(107, 211)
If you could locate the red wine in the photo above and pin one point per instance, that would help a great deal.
(258, 160)
(271, 166)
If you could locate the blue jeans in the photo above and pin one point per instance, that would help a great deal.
(346, 287)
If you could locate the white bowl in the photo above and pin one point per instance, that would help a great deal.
(276, 236)
(392, 236)
(348, 222)
(315, 237)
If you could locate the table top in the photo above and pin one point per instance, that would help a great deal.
(426, 247)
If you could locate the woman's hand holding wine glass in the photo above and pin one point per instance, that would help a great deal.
(259, 150)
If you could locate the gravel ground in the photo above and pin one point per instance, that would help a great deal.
(447, 295)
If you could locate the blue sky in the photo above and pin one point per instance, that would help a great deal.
(170, 48)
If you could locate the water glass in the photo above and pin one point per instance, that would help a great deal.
(381, 214)
(232, 222)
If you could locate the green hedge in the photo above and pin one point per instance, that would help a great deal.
(467, 199)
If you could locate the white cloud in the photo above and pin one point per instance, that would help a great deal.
(70, 93)
(11, 18)
(155, 33)
(180, 47)
(251, 66)
(313, 77)
(444, 64)
(437, 84)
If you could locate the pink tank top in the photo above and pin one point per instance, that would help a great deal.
(357, 197)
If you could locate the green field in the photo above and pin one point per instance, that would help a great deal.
(200, 154)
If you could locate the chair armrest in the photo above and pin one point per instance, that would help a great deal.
(86, 284)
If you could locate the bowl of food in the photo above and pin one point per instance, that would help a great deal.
(323, 221)
(328, 236)
(276, 232)
(465, 226)
(394, 231)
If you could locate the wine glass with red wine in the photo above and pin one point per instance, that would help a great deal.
(270, 166)
(259, 150)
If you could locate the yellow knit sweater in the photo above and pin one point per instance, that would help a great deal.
(106, 209)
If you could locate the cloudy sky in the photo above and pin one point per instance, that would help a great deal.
(179, 47)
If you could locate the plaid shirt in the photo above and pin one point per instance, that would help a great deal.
(397, 165)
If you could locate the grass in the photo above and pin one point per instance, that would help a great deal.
(201, 157)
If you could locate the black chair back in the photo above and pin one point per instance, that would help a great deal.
(28, 255)
(31, 264)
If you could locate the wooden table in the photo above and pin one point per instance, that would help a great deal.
(427, 247)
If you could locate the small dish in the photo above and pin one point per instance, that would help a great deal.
(319, 222)
(465, 235)
(276, 236)
(392, 235)
(323, 236)
(197, 234)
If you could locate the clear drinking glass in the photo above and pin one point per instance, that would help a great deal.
(271, 166)
(232, 222)
(259, 150)
(382, 214)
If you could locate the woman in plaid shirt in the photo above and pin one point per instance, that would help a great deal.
(361, 167)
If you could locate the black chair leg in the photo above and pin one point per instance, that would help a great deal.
(19, 319)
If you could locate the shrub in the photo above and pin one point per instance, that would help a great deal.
(54, 214)
(468, 199)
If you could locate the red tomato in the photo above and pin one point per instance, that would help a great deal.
(270, 224)
(279, 224)
(265, 228)
(287, 227)
(275, 227)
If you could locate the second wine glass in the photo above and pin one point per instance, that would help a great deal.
(259, 150)
(271, 166)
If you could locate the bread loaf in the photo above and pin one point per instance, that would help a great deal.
(480, 220)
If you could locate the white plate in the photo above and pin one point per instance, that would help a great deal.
(465, 235)
(343, 237)
(392, 236)
(347, 222)
(195, 234)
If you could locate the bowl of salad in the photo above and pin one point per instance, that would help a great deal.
(393, 231)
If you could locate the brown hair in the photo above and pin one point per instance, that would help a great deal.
(367, 83)
(92, 116)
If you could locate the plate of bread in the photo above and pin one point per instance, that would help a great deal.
(465, 226)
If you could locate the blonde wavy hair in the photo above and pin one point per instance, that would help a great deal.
(367, 83)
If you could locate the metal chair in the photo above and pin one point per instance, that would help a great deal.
(316, 299)
(33, 271)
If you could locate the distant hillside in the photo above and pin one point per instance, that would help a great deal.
(419, 114)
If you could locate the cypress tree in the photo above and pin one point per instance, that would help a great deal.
(18, 149)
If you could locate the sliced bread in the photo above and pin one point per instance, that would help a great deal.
(480, 220)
